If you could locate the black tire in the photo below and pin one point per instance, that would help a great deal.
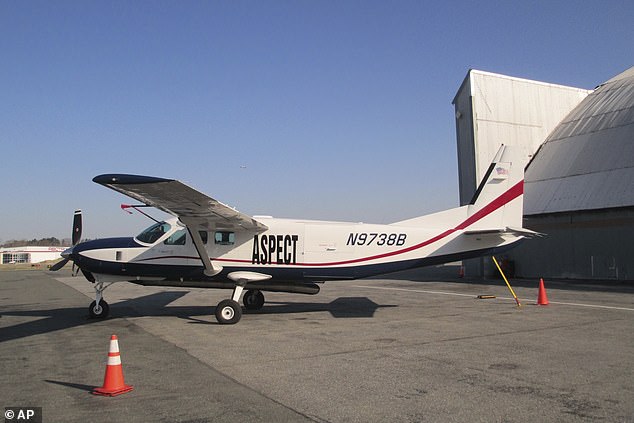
(228, 312)
(253, 299)
(100, 312)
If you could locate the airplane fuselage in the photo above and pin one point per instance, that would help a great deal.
(289, 251)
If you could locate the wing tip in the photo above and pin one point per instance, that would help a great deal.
(124, 179)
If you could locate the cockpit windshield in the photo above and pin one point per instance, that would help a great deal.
(154, 232)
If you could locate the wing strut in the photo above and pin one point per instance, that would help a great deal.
(210, 269)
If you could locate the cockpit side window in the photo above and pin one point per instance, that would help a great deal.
(177, 238)
(154, 232)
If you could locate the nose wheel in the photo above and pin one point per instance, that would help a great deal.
(98, 310)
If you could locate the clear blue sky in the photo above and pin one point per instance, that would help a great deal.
(338, 109)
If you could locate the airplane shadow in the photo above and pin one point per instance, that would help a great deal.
(344, 307)
(51, 320)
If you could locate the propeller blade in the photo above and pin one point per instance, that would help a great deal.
(76, 227)
(88, 275)
(59, 265)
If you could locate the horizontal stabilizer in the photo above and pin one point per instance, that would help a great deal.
(514, 231)
(525, 232)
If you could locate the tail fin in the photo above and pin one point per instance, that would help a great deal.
(498, 203)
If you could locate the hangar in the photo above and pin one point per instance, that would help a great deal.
(29, 254)
(579, 184)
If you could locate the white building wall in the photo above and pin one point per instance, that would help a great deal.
(493, 109)
(32, 254)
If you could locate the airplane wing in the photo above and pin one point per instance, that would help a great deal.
(180, 200)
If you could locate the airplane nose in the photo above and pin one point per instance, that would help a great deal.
(67, 252)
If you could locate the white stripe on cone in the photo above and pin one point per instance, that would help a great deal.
(114, 345)
(114, 360)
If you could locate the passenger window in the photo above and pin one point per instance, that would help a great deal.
(225, 238)
(177, 238)
(203, 236)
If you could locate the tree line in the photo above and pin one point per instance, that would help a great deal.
(43, 242)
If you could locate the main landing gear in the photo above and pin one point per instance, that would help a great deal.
(229, 312)
(253, 299)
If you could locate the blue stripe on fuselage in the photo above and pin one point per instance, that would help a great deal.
(279, 274)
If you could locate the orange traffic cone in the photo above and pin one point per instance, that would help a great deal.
(113, 383)
(542, 298)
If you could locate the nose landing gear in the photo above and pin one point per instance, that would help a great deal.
(99, 309)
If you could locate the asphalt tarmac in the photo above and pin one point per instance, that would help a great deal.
(376, 350)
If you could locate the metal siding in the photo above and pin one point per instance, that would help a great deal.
(588, 160)
(586, 192)
(578, 245)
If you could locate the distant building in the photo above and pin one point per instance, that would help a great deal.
(30, 254)
(579, 184)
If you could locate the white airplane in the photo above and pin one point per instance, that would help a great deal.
(211, 245)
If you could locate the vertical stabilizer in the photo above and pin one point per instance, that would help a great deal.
(498, 201)
(496, 205)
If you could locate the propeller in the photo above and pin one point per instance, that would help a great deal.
(76, 237)
(76, 227)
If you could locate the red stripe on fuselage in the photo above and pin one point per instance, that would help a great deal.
(502, 200)
(511, 194)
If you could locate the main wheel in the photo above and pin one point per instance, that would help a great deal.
(228, 312)
(253, 299)
(98, 311)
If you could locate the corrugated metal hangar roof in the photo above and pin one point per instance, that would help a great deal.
(587, 162)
